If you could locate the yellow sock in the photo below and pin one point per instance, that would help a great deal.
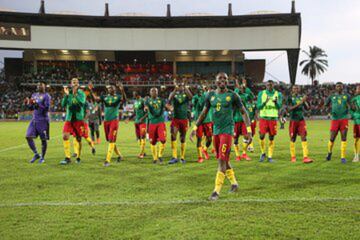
(237, 150)
(262, 146)
(117, 150)
(174, 148)
(219, 181)
(67, 148)
(182, 150)
(161, 149)
(76, 146)
(357, 147)
(90, 142)
(343, 149)
(305, 149)
(292, 149)
(330, 146)
(244, 147)
(142, 146)
(154, 152)
(110, 152)
(230, 174)
(199, 151)
(271, 148)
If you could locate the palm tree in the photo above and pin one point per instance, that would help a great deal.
(316, 63)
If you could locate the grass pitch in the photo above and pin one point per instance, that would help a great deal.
(138, 200)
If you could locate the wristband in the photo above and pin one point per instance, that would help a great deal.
(248, 129)
(195, 128)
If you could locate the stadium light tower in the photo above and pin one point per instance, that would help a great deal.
(106, 14)
(42, 7)
(230, 9)
(168, 10)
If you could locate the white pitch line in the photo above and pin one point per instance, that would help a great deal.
(24, 144)
(180, 202)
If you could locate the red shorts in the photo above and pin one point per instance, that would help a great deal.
(111, 129)
(356, 130)
(253, 127)
(181, 124)
(76, 128)
(204, 130)
(222, 144)
(297, 128)
(339, 125)
(157, 132)
(240, 129)
(140, 130)
(268, 126)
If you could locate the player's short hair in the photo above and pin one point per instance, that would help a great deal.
(339, 83)
(221, 73)
(270, 81)
(42, 82)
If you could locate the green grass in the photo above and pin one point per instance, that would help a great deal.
(138, 200)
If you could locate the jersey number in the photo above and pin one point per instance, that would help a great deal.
(224, 148)
(218, 106)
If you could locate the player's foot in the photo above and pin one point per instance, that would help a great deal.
(155, 161)
(93, 151)
(173, 161)
(343, 160)
(206, 154)
(119, 159)
(106, 164)
(214, 196)
(78, 160)
(238, 158)
(36, 157)
(200, 160)
(141, 156)
(144, 154)
(307, 160)
(161, 161)
(65, 161)
(270, 160)
(234, 188)
(98, 141)
(356, 159)
(293, 159)
(246, 157)
(183, 161)
(328, 157)
(250, 149)
(262, 157)
(42, 160)
(74, 155)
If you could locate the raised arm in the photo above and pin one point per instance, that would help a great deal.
(188, 92)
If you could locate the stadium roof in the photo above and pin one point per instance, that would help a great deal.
(284, 19)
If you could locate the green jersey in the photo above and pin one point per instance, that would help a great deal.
(196, 105)
(223, 105)
(245, 97)
(111, 106)
(251, 109)
(339, 106)
(94, 115)
(298, 113)
(75, 106)
(156, 110)
(355, 114)
(139, 105)
(180, 103)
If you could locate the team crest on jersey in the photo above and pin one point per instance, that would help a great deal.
(212, 98)
(344, 97)
(159, 101)
(228, 98)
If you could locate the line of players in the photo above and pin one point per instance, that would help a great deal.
(222, 116)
